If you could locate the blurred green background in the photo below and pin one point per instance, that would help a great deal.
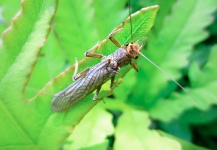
(147, 110)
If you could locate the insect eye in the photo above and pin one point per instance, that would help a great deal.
(126, 44)
(136, 57)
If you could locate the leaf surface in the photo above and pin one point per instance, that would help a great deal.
(204, 84)
(171, 48)
(21, 44)
(32, 124)
(92, 130)
(134, 130)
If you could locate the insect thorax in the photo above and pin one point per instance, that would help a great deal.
(121, 57)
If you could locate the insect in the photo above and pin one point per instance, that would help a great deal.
(94, 77)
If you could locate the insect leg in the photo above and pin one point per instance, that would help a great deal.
(135, 66)
(112, 81)
(76, 69)
(81, 74)
(96, 94)
(88, 54)
(113, 39)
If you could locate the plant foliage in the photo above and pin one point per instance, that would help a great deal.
(38, 47)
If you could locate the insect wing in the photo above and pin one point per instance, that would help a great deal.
(82, 87)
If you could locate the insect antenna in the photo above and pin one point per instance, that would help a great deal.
(159, 68)
(131, 27)
(169, 76)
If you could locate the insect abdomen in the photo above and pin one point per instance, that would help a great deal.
(82, 87)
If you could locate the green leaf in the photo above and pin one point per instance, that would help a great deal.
(206, 75)
(144, 22)
(195, 116)
(170, 49)
(204, 83)
(185, 145)
(92, 130)
(81, 24)
(20, 124)
(103, 8)
(164, 11)
(132, 132)
(125, 87)
(213, 27)
(8, 8)
(177, 128)
(201, 54)
(50, 63)
(142, 25)
(30, 124)
(101, 146)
